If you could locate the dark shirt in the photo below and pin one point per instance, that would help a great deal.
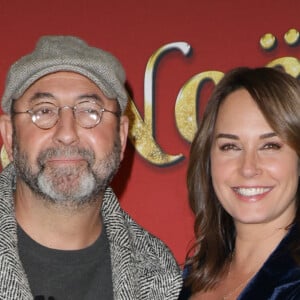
(62, 275)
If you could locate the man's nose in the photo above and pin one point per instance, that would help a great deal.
(66, 127)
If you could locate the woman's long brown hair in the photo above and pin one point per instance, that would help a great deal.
(277, 95)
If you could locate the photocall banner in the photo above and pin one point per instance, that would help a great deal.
(174, 53)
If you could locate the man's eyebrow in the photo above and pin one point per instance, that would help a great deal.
(41, 95)
(48, 96)
(94, 97)
(235, 137)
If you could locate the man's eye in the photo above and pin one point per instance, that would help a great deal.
(44, 111)
(88, 110)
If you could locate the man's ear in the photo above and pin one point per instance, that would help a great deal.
(124, 124)
(6, 131)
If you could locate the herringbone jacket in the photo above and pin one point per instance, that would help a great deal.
(143, 268)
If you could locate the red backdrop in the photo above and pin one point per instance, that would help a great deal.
(220, 34)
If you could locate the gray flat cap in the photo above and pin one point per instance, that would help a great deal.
(66, 53)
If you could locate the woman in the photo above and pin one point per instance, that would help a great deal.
(243, 188)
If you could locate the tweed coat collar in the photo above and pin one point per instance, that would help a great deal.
(143, 268)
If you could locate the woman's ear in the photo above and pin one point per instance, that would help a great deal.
(6, 131)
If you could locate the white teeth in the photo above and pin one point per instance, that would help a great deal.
(251, 191)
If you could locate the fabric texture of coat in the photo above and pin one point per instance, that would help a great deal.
(143, 268)
(278, 278)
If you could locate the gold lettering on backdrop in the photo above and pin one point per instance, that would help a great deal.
(140, 134)
(142, 131)
(186, 103)
(289, 64)
(4, 157)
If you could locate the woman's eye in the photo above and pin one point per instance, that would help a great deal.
(228, 147)
(272, 146)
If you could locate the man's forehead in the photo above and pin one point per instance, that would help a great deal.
(57, 85)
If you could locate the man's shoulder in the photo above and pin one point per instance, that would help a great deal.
(142, 264)
(7, 185)
(119, 221)
(7, 175)
(128, 234)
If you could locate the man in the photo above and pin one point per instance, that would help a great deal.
(63, 234)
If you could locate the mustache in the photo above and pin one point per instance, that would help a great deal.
(67, 152)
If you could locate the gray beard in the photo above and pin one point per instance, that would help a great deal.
(70, 186)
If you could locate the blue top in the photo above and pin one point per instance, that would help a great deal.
(278, 278)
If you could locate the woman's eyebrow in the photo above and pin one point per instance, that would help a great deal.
(268, 135)
(227, 136)
(235, 137)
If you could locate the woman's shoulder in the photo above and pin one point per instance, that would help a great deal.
(185, 293)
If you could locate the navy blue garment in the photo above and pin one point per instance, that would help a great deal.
(278, 278)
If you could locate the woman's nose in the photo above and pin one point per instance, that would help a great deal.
(250, 164)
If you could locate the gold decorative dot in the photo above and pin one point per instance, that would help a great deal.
(268, 41)
(291, 37)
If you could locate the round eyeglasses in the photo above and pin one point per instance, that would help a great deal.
(87, 114)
